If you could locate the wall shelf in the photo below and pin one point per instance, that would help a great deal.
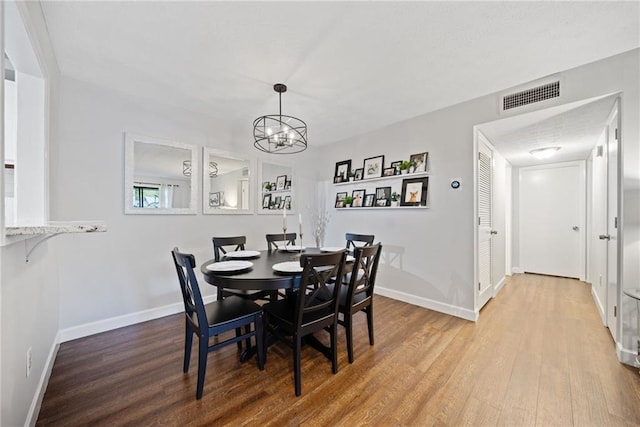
(381, 208)
(384, 178)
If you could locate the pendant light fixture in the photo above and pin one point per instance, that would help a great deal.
(279, 133)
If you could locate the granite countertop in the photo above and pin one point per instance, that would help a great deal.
(56, 227)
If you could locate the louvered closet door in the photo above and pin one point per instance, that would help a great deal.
(485, 156)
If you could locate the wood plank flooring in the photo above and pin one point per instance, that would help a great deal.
(539, 355)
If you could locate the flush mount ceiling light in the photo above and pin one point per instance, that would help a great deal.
(544, 153)
(278, 133)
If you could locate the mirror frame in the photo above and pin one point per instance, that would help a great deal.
(206, 152)
(259, 193)
(129, 176)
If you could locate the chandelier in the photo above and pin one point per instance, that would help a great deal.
(279, 133)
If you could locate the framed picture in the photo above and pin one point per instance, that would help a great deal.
(281, 204)
(280, 182)
(358, 174)
(383, 196)
(340, 199)
(287, 185)
(368, 200)
(342, 171)
(373, 167)
(358, 198)
(389, 172)
(414, 191)
(396, 167)
(266, 201)
(287, 202)
(419, 162)
(214, 199)
(276, 201)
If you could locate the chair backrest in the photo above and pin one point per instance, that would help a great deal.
(351, 238)
(191, 296)
(274, 239)
(219, 244)
(363, 275)
(314, 294)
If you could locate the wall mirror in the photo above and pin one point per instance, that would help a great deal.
(160, 176)
(226, 183)
(277, 186)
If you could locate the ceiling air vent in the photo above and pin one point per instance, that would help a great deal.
(529, 96)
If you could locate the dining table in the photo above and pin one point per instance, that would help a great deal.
(261, 275)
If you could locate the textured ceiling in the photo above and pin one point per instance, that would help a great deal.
(351, 67)
(575, 128)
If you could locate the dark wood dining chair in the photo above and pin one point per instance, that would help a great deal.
(357, 295)
(352, 239)
(237, 243)
(311, 309)
(274, 239)
(206, 321)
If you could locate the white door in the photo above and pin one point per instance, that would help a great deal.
(612, 222)
(485, 288)
(552, 212)
(598, 244)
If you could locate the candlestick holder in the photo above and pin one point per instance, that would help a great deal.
(284, 237)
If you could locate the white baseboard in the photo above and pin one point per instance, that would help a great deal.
(626, 356)
(452, 310)
(36, 403)
(517, 270)
(98, 326)
(599, 305)
(499, 286)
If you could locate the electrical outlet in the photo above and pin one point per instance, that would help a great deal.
(29, 360)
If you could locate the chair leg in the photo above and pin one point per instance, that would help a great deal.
(203, 351)
(188, 342)
(238, 333)
(369, 311)
(297, 345)
(333, 330)
(260, 347)
(247, 330)
(348, 318)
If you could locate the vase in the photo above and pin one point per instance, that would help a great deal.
(404, 171)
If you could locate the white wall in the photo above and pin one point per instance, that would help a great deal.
(29, 293)
(128, 269)
(433, 249)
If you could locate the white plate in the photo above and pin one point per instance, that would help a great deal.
(242, 254)
(229, 266)
(288, 267)
(331, 249)
(293, 248)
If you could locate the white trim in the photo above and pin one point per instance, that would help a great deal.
(499, 286)
(626, 356)
(517, 270)
(104, 325)
(599, 306)
(453, 310)
(36, 403)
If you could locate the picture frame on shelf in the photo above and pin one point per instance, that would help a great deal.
(389, 172)
(373, 167)
(277, 200)
(342, 171)
(287, 202)
(214, 199)
(280, 182)
(281, 204)
(358, 198)
(340, 199)
(383, 196)
(368, 200)
(396, 167)
(358, 174)
(266, 201)
(414, 191)
(287, 185)
(419, 162)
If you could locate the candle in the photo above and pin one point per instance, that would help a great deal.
(284, 218)
(300, 223)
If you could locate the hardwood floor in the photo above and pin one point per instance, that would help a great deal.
(539, 355)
